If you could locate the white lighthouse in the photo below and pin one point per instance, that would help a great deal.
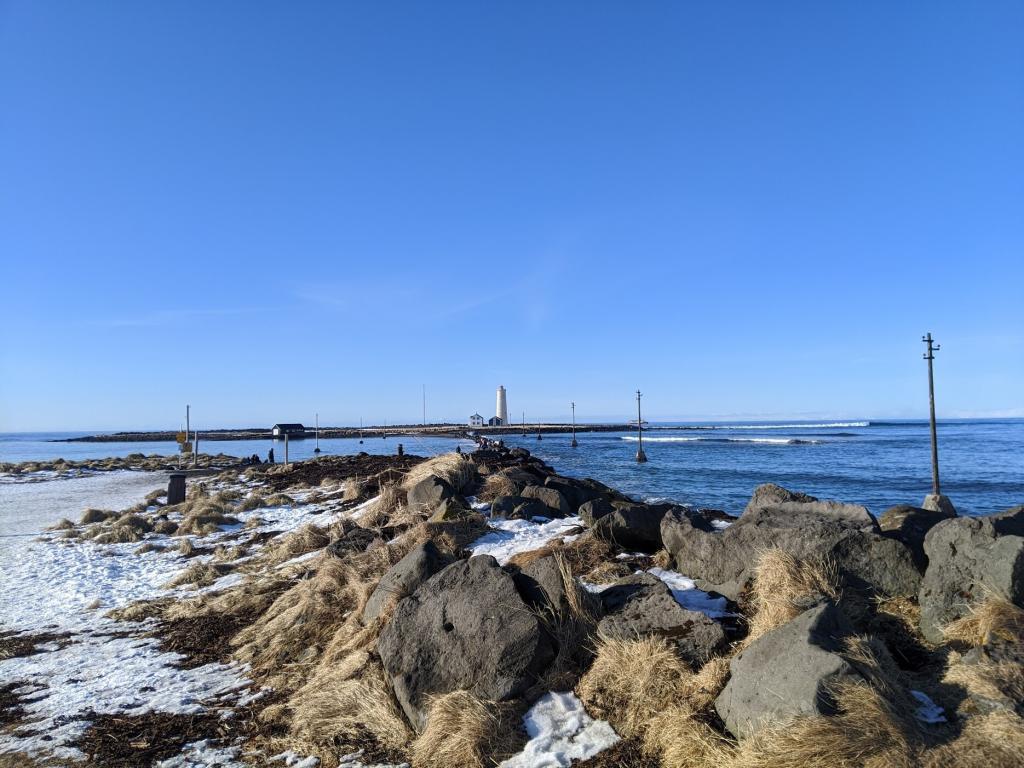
(501, 411)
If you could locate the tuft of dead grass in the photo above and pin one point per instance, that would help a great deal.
(784, 587)
(204, 520)
(631, 681)
(991, 618)
(91, 516)
(985, 741)
(306, 539)
(682, 740)
(354, 487)
(198, 575)
(499, 484)
(1000, 682)
(346, 699)
(866, 731)
(465, 730)
(456, 469)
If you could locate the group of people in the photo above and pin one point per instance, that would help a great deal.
(253, 460)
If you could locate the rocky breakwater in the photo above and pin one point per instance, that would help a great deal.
(449, 603)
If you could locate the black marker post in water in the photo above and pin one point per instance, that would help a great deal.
(641, 457)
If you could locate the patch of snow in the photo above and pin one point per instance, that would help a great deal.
(560, 732)
(721, 525)
(685, 591)
(201, 754)
(299, 559)
(929, 711)
(509, 537)
(630, 555)
(225, 582)
(107, 674)
(595, 589)
(292, 760)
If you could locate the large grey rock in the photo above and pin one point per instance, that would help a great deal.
(404, 577)
(429, 492)
(503, 506)
(592, 511)
(641, 605)
(910, 525)
(466, 628)
(529, 509)
(968, 557)
(632, 526)
(575, 492)
(774, 497)
(542, 585)
(553, 499)
(787, 672)
(724, 561)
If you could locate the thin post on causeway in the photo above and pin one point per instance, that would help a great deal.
(316, 431)
(573, 444)
(930, 356)
(641, 457)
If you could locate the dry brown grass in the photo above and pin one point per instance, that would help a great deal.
(682, 740)
(867, 731)
(993, 617)
(198, 575)
(986, 741)
(345, 700)
(61, 525)
(454, 468)
(354, 487)
(784, 587)
(91, 516)
(499, 484)
(463, 730)
(124, 534)
(390, 502)
(204, 520)
(571, 624)
(141, 610)
(308, 538)
(583, 555)
(631, 681)
(995, 681)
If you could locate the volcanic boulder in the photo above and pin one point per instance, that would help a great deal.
(429, 492)
(787, 671)
(641, 604)
(552, 498)
(466, 628)
(632, 526)
(724, 561)
(910, 525)
(968, 557)
(404, 577)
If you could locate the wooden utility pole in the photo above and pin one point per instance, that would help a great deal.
(573, 444)
(930, 356)
(641, 457)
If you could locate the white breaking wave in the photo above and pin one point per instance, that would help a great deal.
(764, 440)
(830, 425)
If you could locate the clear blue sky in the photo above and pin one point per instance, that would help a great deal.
(271, 209)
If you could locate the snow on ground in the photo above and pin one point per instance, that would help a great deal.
(560, 731)
(509, 537)
(687, 595)
(50, 583)
(203, 754)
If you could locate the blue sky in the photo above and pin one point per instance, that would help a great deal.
(272, 209)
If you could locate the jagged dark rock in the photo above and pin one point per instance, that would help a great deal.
(466, 628)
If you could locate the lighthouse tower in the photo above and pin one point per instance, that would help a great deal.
(501, 411)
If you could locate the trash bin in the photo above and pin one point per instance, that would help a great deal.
(176, 488)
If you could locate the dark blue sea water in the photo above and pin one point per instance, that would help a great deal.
(875, 463)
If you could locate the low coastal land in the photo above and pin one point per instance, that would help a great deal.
(481, 609)
(396, 430)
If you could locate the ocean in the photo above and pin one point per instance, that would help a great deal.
(875, 463)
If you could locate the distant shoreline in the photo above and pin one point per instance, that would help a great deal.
(431, 430)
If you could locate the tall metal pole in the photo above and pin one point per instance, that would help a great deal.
(286, 450)
(317, 433)
(930, 356)
(641, 457)
(424, 405)
(573, 444)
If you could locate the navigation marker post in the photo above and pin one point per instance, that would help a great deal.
(934, 501)
(641, 457)
(317, 433)
(573, 444)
